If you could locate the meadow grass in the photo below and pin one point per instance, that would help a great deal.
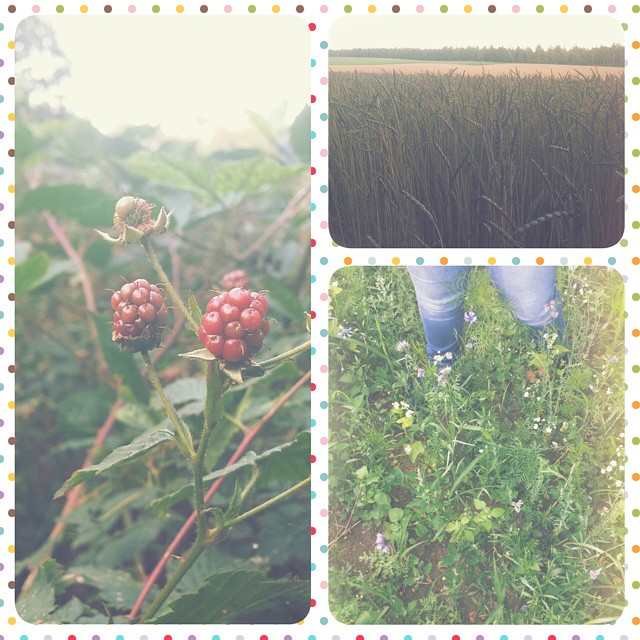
(499, 495)
(451, 160)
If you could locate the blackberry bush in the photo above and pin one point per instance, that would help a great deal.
(234, 326)
(139, 316)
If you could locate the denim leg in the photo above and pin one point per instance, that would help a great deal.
(440, 293)
(532, 296)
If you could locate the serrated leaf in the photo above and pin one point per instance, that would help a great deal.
(69, 612)
(182, 390)
(116, 588)
(117, 458)
(39, 599)
(287, 462)
(30, 271)
(90, 207)
(135, 416)
(227, 596)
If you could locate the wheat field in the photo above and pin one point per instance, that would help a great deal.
(451, 160)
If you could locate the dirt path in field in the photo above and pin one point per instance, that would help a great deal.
(523, 68)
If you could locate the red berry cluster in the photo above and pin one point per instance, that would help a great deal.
(233, 279)
(234, 326)
(139, 315)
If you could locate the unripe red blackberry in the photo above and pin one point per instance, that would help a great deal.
(235, 279)
(234, 326)
(139, 316)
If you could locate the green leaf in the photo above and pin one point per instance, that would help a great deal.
(120, 363)
(479, 504)
(395, 514)
(90, 207)
(116, 588)
(39, 599)
(496, 512)
(117, 458)
(181, 391)
(194, 307)
(282, 301)
(135, 416)
(166, 171)
(198, 354)
(30, 271)
(226, 596)
(288, 462)
(69, 612)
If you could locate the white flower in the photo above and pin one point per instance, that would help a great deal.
(448, 355)
(517, 506)
(396, 405)
(409, 414)
(402, 345)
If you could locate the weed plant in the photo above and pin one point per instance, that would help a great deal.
(448, 160)
(494, 495)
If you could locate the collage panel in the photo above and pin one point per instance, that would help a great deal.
(162, 250)
(476, 131)
(476, 433)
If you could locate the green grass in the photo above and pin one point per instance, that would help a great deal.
(500, 492)
(339, 60)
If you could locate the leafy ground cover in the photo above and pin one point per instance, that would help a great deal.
(494, 495)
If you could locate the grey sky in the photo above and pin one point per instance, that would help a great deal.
(434, 32)
(189, 75)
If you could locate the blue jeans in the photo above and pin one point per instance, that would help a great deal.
(530, 292)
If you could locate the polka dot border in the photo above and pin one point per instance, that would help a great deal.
(318, 26)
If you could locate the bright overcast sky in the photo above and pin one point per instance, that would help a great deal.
(433, 32)
(191, 75)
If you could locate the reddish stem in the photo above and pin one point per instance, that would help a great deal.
(246, 440)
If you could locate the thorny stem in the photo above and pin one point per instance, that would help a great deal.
(213, 410)
(287, 354)
(214, 533)
(240, 449)
(173, 294)
(181, 431)
(200, 544)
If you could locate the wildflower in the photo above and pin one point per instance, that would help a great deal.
(438, 358)
(523, 607)
(381, 543)
(443, 375)
(551, 309)
(469, 345)
(408, 414)
(345, 332)
(526, 394)
(404, 405)
(470, 317)
(396, 405)
(531, 377)
(517, 506)
(448, 355)
(420, 372)
(594, 574)
(402, 345)
(609, 391)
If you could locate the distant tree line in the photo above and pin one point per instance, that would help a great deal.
(605, 56)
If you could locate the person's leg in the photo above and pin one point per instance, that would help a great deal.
(532, 296)
(440, 293)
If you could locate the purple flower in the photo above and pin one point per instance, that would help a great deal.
(381, 543)
(470, 317)
(523, 607)
(420, 372)
(469, 345)
(345, 332)
(594, 574)
(551, 309)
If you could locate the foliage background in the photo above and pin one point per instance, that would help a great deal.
(241, 206)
